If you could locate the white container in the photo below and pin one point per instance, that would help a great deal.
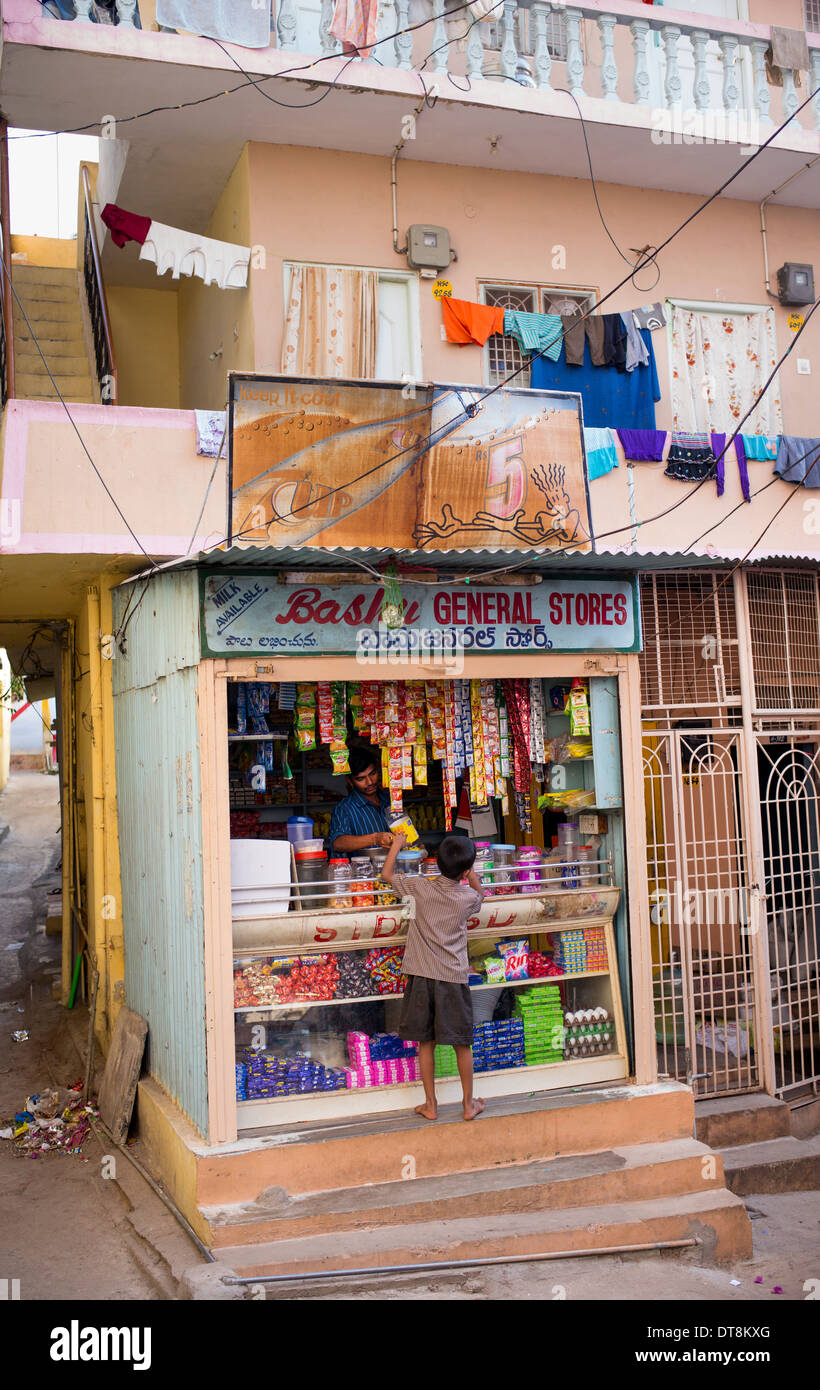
(260, 877)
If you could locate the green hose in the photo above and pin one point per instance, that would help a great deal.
(70, 1004)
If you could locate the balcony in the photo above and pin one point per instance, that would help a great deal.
(509, 93)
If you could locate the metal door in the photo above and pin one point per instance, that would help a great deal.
(699, 882)
(789, 775)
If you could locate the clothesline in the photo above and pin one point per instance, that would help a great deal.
(692, 457)
(183, 253)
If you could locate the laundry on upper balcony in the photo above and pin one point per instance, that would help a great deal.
(222, 263)
(247, 25)
(125, 226)
(354, 25)
(467, 322)
(798, 460)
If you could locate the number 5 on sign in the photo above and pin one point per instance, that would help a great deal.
(506, 477)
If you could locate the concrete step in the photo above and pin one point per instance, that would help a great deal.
(72, 397)
(31, 363)
(805, 1118)
(636, 1172)
(48, 331)
(42, 292)
(25, 275)
(736, 1120)
(321, 1156)
(25, 348)
(54, 311)
(30, 386)
(717, 1219)
(778, 1165)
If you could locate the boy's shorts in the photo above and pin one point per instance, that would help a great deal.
(436, 1011)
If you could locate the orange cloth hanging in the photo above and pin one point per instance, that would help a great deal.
(466, 322)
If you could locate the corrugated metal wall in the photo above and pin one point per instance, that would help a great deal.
(160, 829)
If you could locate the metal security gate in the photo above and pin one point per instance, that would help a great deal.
(789, 773)
(699, 887)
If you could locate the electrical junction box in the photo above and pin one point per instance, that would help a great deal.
(795, 283)
(428, 248)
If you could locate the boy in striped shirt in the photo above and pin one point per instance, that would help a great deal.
(437, 1005)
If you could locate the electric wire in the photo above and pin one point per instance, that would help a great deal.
(644, 259)
(616, 530)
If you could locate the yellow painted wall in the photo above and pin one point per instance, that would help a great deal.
(210, 317)
(5, 717)
(96, 799)
(145, 330)
(46, 250)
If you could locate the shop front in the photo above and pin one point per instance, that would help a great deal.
(521, 750)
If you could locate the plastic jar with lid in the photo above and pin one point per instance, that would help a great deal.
(340, 883)
(362, 885)
(504, 857)
(588, 869)
(429, 867)
(484, 865)
(408, 861)
(528, 869)
(568, 844)
(311, 868)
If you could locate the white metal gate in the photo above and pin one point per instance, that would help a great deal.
(789, 773)
(699, 878)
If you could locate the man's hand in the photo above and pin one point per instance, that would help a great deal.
(384, 840)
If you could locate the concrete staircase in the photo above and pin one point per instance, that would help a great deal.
(51, 299)
(611, 1167)
(765, 1146)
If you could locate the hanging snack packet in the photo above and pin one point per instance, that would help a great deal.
(339, 758)
(496, 972)
(305, 740)
(515, 955)
(306, 694)
(420, 763)
(241, 708)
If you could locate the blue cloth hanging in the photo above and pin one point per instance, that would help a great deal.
(609, 397)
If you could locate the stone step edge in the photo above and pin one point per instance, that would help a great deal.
(428, 1239)
(479, 1181)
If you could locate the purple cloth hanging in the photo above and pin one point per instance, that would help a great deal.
(719, 451)
(742, 469)
(643, 446)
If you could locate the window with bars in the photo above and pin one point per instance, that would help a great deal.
(784, 617)
(503, 356)
(690, 649)
(811, 15)
(525, 35)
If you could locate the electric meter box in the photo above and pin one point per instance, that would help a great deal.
(428, 248)
(795, 283)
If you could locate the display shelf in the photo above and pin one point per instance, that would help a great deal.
(257, 738)
(376, 998)
(367, 1100)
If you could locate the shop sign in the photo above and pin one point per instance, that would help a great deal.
(409, 466)
(253, 614)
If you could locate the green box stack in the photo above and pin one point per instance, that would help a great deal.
(445, 1061)
(543, 1016)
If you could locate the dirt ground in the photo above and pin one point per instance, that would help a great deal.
(68, 1233)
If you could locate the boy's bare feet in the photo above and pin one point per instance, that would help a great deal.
(427, 1111)
(474, 1108)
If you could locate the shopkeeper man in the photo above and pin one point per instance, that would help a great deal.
(360, 821)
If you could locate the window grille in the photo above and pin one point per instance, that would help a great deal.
(503, 356)
(785, 628)
(690, 650)
(525, 35)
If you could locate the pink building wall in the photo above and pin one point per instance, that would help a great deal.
(505, 226)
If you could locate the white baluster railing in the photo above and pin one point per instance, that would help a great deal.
(609, 69)
(478, 40)
(125, 13)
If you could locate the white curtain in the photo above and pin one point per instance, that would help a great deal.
(331, 322)
(719, 364)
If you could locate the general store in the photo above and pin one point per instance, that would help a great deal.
(514, 702)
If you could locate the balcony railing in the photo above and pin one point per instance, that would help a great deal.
(617, 52)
